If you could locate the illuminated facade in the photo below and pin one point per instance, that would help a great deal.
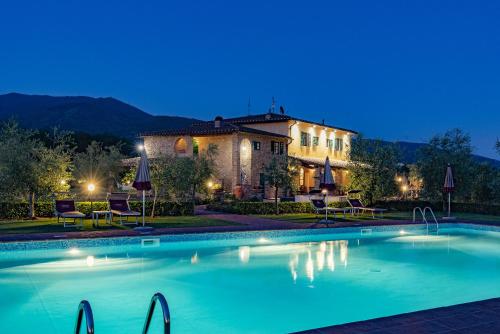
(246, 144)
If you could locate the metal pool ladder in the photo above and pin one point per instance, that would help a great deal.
(423, 212)
(84, 309)
(158, 298)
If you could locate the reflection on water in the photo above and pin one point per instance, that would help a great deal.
(90, 261)
(324, 255)
(343, 252)
(194, 258)
(244, 253)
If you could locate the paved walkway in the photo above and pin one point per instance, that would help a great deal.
(477, 317)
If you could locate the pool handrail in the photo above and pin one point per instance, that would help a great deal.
(84, 308)
(423, 212)
(433, 216)
(158, 297)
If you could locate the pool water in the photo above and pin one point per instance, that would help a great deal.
(266, 282)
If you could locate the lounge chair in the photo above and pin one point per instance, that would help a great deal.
(357, 207)
(320, 207)
(66, 209)
(119, 206)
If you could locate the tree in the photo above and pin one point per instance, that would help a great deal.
(161, 181)
(485, 186)
(28, 168)
(373, 168)
(497, 146)
(100, 165)
(414, 181)
(454, 148)
(279, 174)
(203, 168)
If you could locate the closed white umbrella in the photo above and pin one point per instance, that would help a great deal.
(327, 184)
(143, 180)
(449, 187)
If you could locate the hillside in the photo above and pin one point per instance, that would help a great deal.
(84, 114)
(409, 151)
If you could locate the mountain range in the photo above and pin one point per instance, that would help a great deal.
(111, 116)
(84, 114)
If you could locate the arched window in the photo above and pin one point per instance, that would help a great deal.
(180, 146)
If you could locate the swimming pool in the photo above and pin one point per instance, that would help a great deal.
(250, 282)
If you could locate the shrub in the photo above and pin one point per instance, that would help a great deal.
(441, 206)
(12, 210)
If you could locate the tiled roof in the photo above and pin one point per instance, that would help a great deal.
(272, 118)
(209, 129)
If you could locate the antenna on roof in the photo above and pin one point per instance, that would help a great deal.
(273, 105)
(249, 107)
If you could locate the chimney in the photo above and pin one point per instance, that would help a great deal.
(218, 122)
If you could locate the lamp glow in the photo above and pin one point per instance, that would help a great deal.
(90, 261)
(74, 251)
(91, 187)
(140, 147)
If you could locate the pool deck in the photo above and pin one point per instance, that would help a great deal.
(242, 223)
(476, 317)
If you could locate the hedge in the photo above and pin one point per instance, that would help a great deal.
(264, 208)
(489, 209)
(10, 210)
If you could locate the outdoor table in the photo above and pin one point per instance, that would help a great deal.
(95, 217)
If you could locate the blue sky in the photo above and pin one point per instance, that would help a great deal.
(396, 70)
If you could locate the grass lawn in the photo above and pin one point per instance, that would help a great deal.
(42, 225)
(395, 215)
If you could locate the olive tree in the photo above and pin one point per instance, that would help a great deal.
(279, 174)
(373, 168)
(29, 168)
(102, 165)
(454, 148)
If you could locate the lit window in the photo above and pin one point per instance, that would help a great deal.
(305, 139)
(339, 144)
(180, 146)
(329, 143)
(301, 176)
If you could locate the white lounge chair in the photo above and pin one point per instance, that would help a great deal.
(357, 206)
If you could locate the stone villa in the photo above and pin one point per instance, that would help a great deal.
(246, 144)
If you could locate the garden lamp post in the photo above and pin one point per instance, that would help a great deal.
(91, 188)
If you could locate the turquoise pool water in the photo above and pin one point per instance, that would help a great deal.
(267, 282)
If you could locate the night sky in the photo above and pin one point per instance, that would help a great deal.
(396, 70)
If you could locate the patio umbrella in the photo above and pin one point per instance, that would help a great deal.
(142, 180)
(449, 187)
(327, 184)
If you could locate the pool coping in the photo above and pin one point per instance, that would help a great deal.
(472, 317)
(285, 225)
(66, 243)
